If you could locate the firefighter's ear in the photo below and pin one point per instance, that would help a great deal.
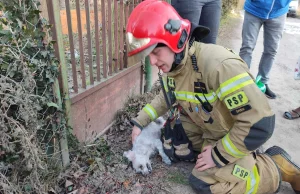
(130, 155)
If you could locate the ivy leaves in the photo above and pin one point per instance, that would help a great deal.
(28, 112)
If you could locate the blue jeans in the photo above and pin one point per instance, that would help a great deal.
(201, 12)
(273, 30)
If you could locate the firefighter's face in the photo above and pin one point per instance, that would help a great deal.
(163, 58)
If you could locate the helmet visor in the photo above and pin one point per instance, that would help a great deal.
(142, 54)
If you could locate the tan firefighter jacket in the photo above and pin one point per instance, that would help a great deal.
(241, 119)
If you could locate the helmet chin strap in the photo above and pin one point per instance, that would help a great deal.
(177, 59)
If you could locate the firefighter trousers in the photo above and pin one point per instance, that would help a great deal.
(250, 174)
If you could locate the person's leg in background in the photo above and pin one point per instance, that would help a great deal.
(190, 10)
(293, 114)
(273, 30)
(210, 17)
(251, 27)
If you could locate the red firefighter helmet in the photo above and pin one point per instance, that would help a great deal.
(153, 22)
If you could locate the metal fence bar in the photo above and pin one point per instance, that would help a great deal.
(132, 6)
(89, 39)
(104, 38)
(121, 48)
(127, 5)
(97, 39)
(78, 13)
(54, 36)
(116, 34)
(109, 37)
(125, 43)
(72, 49)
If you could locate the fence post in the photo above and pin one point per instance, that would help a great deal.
(57, 32)
(148, 71)
(62, 88)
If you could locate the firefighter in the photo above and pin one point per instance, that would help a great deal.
(213, 103)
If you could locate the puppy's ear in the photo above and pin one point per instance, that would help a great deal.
(129, 155)
(160, 121)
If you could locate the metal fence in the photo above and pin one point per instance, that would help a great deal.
(94, 40)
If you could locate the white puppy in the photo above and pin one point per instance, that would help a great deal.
(145, 146)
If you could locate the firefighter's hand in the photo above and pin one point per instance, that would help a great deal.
(205, 160)
(135, 132)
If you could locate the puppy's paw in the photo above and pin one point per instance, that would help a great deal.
(167, 161)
